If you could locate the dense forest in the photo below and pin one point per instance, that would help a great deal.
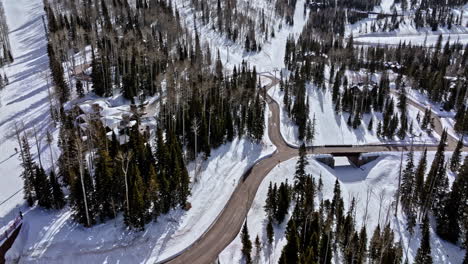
(321, 230)
(440, 71)
(321, 57)
(5, 48)
(140, 52)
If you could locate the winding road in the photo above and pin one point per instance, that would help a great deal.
(229, 222)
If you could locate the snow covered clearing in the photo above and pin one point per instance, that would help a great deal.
(269, 59)
(379, 177)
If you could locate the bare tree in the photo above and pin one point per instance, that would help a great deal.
(50, 139)
(125, 158)
(38, 146)
(195, 129)
(79, 148)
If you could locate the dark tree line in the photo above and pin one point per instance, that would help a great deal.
(139, 51)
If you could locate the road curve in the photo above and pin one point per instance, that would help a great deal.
(228, 224)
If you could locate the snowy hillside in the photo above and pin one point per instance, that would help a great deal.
(269, 59)
(379, 177)
(25, 100)
(332, 128)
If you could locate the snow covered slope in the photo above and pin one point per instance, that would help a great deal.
(24, 101)
(271, 56)
(379, 177)
(332, 128)
(53, 236)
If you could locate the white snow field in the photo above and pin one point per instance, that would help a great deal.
(378, 177)
(24, 101)
(53, 236)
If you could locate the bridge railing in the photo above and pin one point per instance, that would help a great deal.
(5, 233)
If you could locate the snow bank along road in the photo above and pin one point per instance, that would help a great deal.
(228, 224)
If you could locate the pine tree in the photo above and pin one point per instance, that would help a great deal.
(77, 198)
(407, 184)
(136, 218)
(57, 193)
(42, 188)
(290, 253)
(370, 127)
(450, 220)
(435, 183)
(325, 251)
(362, 250)
(153, 192)
(270, 202)
(423, 256)
(104, 180)
(283, 201)
(28, 174)
(456, 156)
(258, 248)
(375, 246)
(79, 89)
(246, 244)
(270, 231)
(419, 179)
(300, 175)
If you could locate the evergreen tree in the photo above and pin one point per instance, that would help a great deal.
(270, 231)
(77, 198)
(28, 165)
(258, 248)
(246, 244)
(270, 203)
(300, 175)
(419, 179)
(291, 250)
(451, 217)
(136, 217)
(79, 89)
(57, 193)
(375, 246)
(42, 188)
(104, 180)
(423, 256)
(325, 252)
(408, 184)
(456, 156)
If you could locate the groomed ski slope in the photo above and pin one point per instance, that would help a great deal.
(380, 177)
(24, 101)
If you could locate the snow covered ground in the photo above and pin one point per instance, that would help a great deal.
(53, 234)
(271, 56)
(24, 101)
(379, 177)
(53, 237)
(332, 129)
(407, 32)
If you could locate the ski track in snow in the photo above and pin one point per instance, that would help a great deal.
(24, 100)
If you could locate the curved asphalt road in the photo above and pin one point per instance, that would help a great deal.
(228, 224)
